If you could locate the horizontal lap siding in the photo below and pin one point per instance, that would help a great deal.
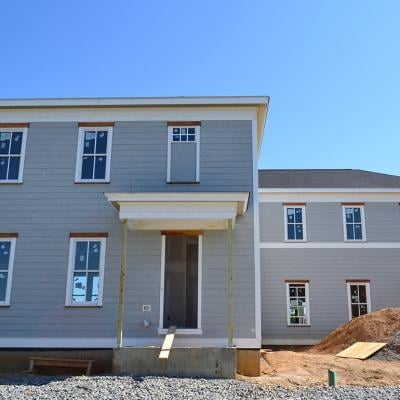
(48, 206)
(327, 271)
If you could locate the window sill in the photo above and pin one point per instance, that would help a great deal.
(298, 326)
(295, 241)
(197, 331)
(355, 240)
(183, 183)
(11, 182)
(83, 306)
(91, 182)
(4, 304)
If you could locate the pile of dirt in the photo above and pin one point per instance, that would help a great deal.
(377, 326)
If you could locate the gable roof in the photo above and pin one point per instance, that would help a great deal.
(325, 178)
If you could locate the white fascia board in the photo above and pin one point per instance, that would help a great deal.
(329, 190)
(330, 245)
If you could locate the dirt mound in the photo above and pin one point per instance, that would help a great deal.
(377, 326)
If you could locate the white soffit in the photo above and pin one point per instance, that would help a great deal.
(179, 211)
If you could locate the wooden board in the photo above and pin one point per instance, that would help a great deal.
(167, 345)
(361, 350)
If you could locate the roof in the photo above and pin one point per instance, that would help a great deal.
(325, 178)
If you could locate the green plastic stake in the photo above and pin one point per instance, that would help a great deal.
(331, 378)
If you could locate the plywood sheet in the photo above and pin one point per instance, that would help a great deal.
(167, 344)
(361, 350)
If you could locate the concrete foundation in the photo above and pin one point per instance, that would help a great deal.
(182, 362)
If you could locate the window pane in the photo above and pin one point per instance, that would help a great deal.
(176, 131)
(349, 214)
(3, 167)
(100, 168)
(92, 292)
(357, 214)
(290, 231)
(290, 214)
(298, 215)
(191, 131)
(363, 309)
(191, 138)
(3, 285)
(349, 231)
(4, 255)
(89, 143)
(80, 255)
(79, 287)
(94, 255)
(354, 311)
(5, 138)
(16, 143)
(302, 291)
(292, 292)
(87, 167)
(13, 168)
(354, 293)
(176, 138)
(299, 231)
(362, 294)
(357, 231)
(101, 143)
(183, 138)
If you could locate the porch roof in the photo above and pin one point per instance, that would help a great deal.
(179, 211)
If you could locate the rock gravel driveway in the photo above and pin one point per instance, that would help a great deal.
(157, 388)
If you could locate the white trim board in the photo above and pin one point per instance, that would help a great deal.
(10, 270)
(330, 245)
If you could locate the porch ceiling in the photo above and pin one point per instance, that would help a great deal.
(179, 211)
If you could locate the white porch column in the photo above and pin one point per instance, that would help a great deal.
(230, 285)
(124, 237)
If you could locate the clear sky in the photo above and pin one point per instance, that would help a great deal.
(332, 68)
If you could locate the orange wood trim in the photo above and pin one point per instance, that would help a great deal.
(15, 125)
(184, 123)
(95, 124)
(8, 235)
(88, 234)
(294, 204)
(358, 280)
(297, 280)
(182, 233)
(352, 204)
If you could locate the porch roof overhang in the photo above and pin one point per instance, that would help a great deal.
(179, 211)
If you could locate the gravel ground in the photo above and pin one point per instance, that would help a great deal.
(126, 387)
(391, 352)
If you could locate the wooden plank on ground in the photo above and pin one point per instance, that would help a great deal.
(167, 345)
(361, 350)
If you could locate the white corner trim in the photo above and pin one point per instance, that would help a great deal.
(10, 269)
(330, 245)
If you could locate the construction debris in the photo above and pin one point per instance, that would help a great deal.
(361, 350)
(167, 345)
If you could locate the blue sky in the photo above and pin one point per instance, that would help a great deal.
(332, 69)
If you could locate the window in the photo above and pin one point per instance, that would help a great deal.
(7, 251)
(298, 310)
(295, 223)
(12, 154)
(86, 271)
(183, 153)
(358, 298)
(94, 154)
(354, 223)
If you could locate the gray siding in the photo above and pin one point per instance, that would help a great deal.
(48, 206)
(327, 271)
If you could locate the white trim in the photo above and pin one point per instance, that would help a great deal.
(71, 260)
(304, 223)
(256, 238)
(363, 230)
(331, 245)
(22, 155)
(170, 142)
(195, 331)
(308, 313)
(105, 343)
(367, 289)
(328, 190)
(10, 269)
(79, 154)
(290, 342)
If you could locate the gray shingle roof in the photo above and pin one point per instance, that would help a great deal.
(325, 178)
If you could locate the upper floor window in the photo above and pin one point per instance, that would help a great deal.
(94, 154)
(358, 298)
(12, 154)
(7, 250)
(183, 152)
(298, 310)
(295, 222)
(86, 271)
(353, 222)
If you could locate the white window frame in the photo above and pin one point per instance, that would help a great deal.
(304, 223)
(198, 330)
(10, 270)
(363, 230)
(308, 313)
(197, 141)
(22, 156)
(367, 290)
(71, 261)
(79, 154)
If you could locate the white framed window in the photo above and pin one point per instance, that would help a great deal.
(7, 252)
(295, 223)
(354, 223)
(93, 162)
(12, 154)
(359, 298)
(298, 306)
(183, 159)
(86, 271)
